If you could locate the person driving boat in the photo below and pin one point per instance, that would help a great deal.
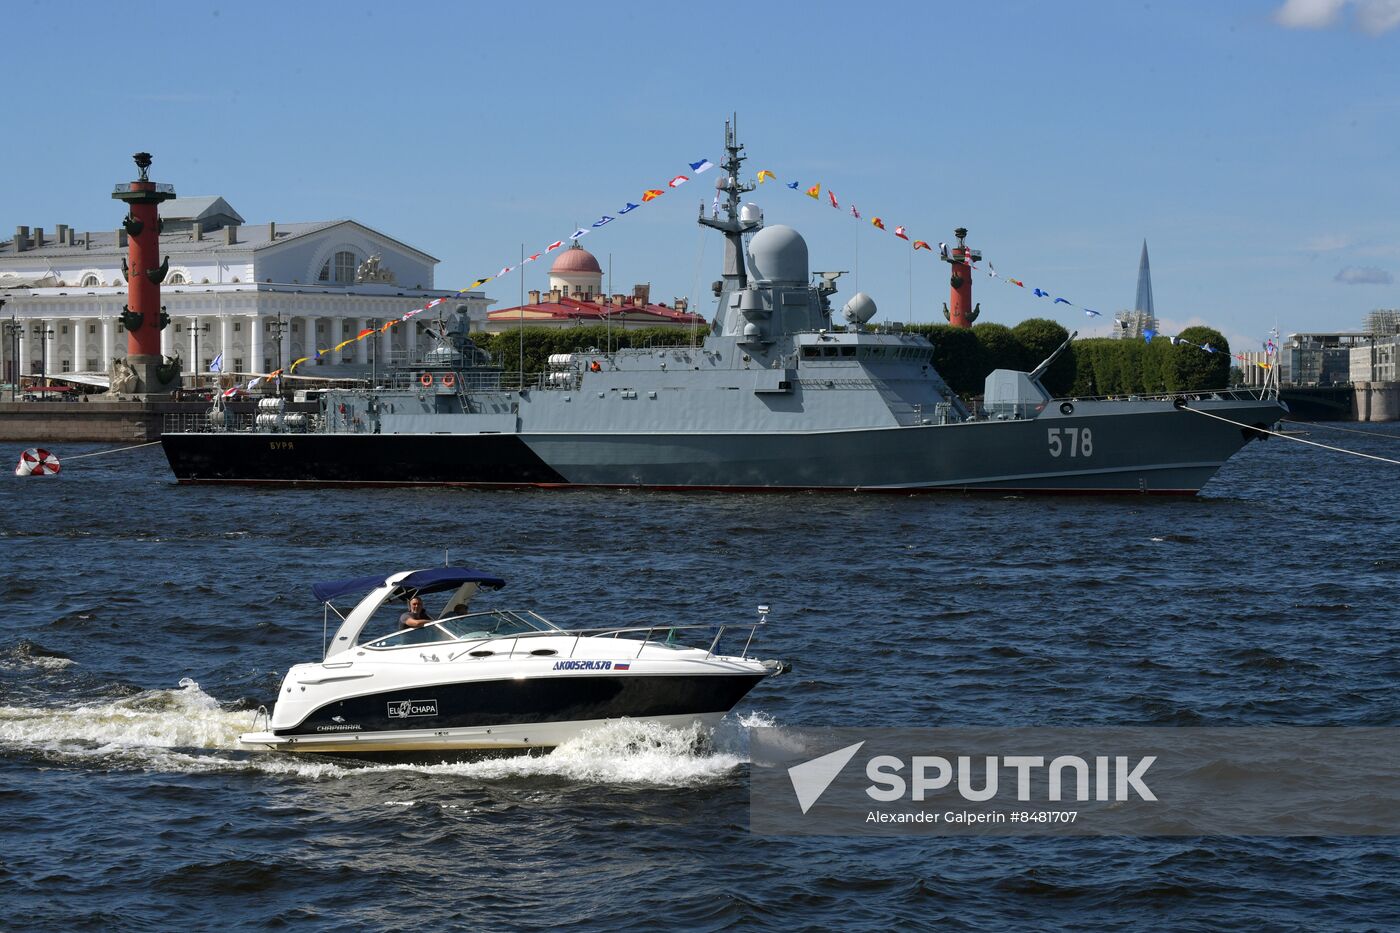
(416, 616)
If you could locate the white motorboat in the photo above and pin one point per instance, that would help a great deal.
(494, 678)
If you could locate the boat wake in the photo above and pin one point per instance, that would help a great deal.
(185, 730)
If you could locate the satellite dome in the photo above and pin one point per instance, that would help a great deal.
(779, 255)
(860, 309)
(751, 213)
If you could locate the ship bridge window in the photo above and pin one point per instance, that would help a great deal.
(848, 351)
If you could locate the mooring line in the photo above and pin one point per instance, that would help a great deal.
(1289, 437)
(115, 450)
(1333, 427)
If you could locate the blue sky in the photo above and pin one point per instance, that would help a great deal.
(1254, 145)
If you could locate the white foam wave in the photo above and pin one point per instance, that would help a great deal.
(620, 753)
(186, 731)
(47, 662)
(183, 718)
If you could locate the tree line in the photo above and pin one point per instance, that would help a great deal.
(964, 357)
(1089, 367)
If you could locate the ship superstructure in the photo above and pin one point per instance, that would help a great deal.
(778, 396)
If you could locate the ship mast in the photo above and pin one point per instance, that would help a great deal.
(732, 226)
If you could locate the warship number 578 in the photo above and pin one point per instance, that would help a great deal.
(776, 398)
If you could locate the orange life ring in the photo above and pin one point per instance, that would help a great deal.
(425, 380)
(449, 379)
(595, 367)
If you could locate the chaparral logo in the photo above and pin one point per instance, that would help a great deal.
(403, 709)
(583, 665)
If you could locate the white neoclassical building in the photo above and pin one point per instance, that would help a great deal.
(232, 290)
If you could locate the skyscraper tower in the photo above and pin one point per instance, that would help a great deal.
(1143, 317)
(1144, 291)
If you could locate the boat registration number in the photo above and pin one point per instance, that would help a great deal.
(1074, 442)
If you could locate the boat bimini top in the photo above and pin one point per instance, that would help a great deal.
(402, 585)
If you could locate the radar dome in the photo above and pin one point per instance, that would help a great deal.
(779, 255)
(860, 309)
(751, 213)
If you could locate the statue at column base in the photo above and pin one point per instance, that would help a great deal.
(143, 376)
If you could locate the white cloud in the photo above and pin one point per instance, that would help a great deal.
(1378, 16)
(1327, 242)
(1308, 14)
(1374, 17)
(1171, 326)
(1364, 275)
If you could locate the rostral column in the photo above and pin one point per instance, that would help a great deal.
(143, 317)
(962, 312)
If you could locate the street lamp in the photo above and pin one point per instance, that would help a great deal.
(44, 334)
(196, 329)
(278, 327)
(13, 329)
(374, 353)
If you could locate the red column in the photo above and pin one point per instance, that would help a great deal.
(144, 269)
(959, 310)
(960, 292)
(143, 294)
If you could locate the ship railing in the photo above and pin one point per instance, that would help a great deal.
(234, 422)
(468, 381)
(1020, 411)
(1192, 395)
(661, 633)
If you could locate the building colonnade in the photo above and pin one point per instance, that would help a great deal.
(247, 341)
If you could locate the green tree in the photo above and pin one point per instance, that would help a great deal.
(1039, 337)
(957, 355)
(1000, 348)
(1095, 368)
(1129, 355)
(1199, 370)
(539, 343)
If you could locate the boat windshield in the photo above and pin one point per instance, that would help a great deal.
(494, 623)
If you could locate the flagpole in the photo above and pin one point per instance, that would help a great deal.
(610, 294)
(911, 286)
(856, 277)
(522, 317)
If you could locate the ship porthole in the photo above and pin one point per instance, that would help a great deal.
(544, 652)
(1066, 408)
(482, 654)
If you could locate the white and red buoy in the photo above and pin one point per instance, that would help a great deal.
(36, 461)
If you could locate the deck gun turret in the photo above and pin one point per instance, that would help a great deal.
(1009, 393)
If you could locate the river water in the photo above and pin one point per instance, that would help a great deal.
(145, 621)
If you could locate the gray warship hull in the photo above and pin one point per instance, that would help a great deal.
(777, 397)
(1102, 447)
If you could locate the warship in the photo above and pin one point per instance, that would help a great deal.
(779, 396)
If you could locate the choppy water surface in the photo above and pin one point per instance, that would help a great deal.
(145, 621)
